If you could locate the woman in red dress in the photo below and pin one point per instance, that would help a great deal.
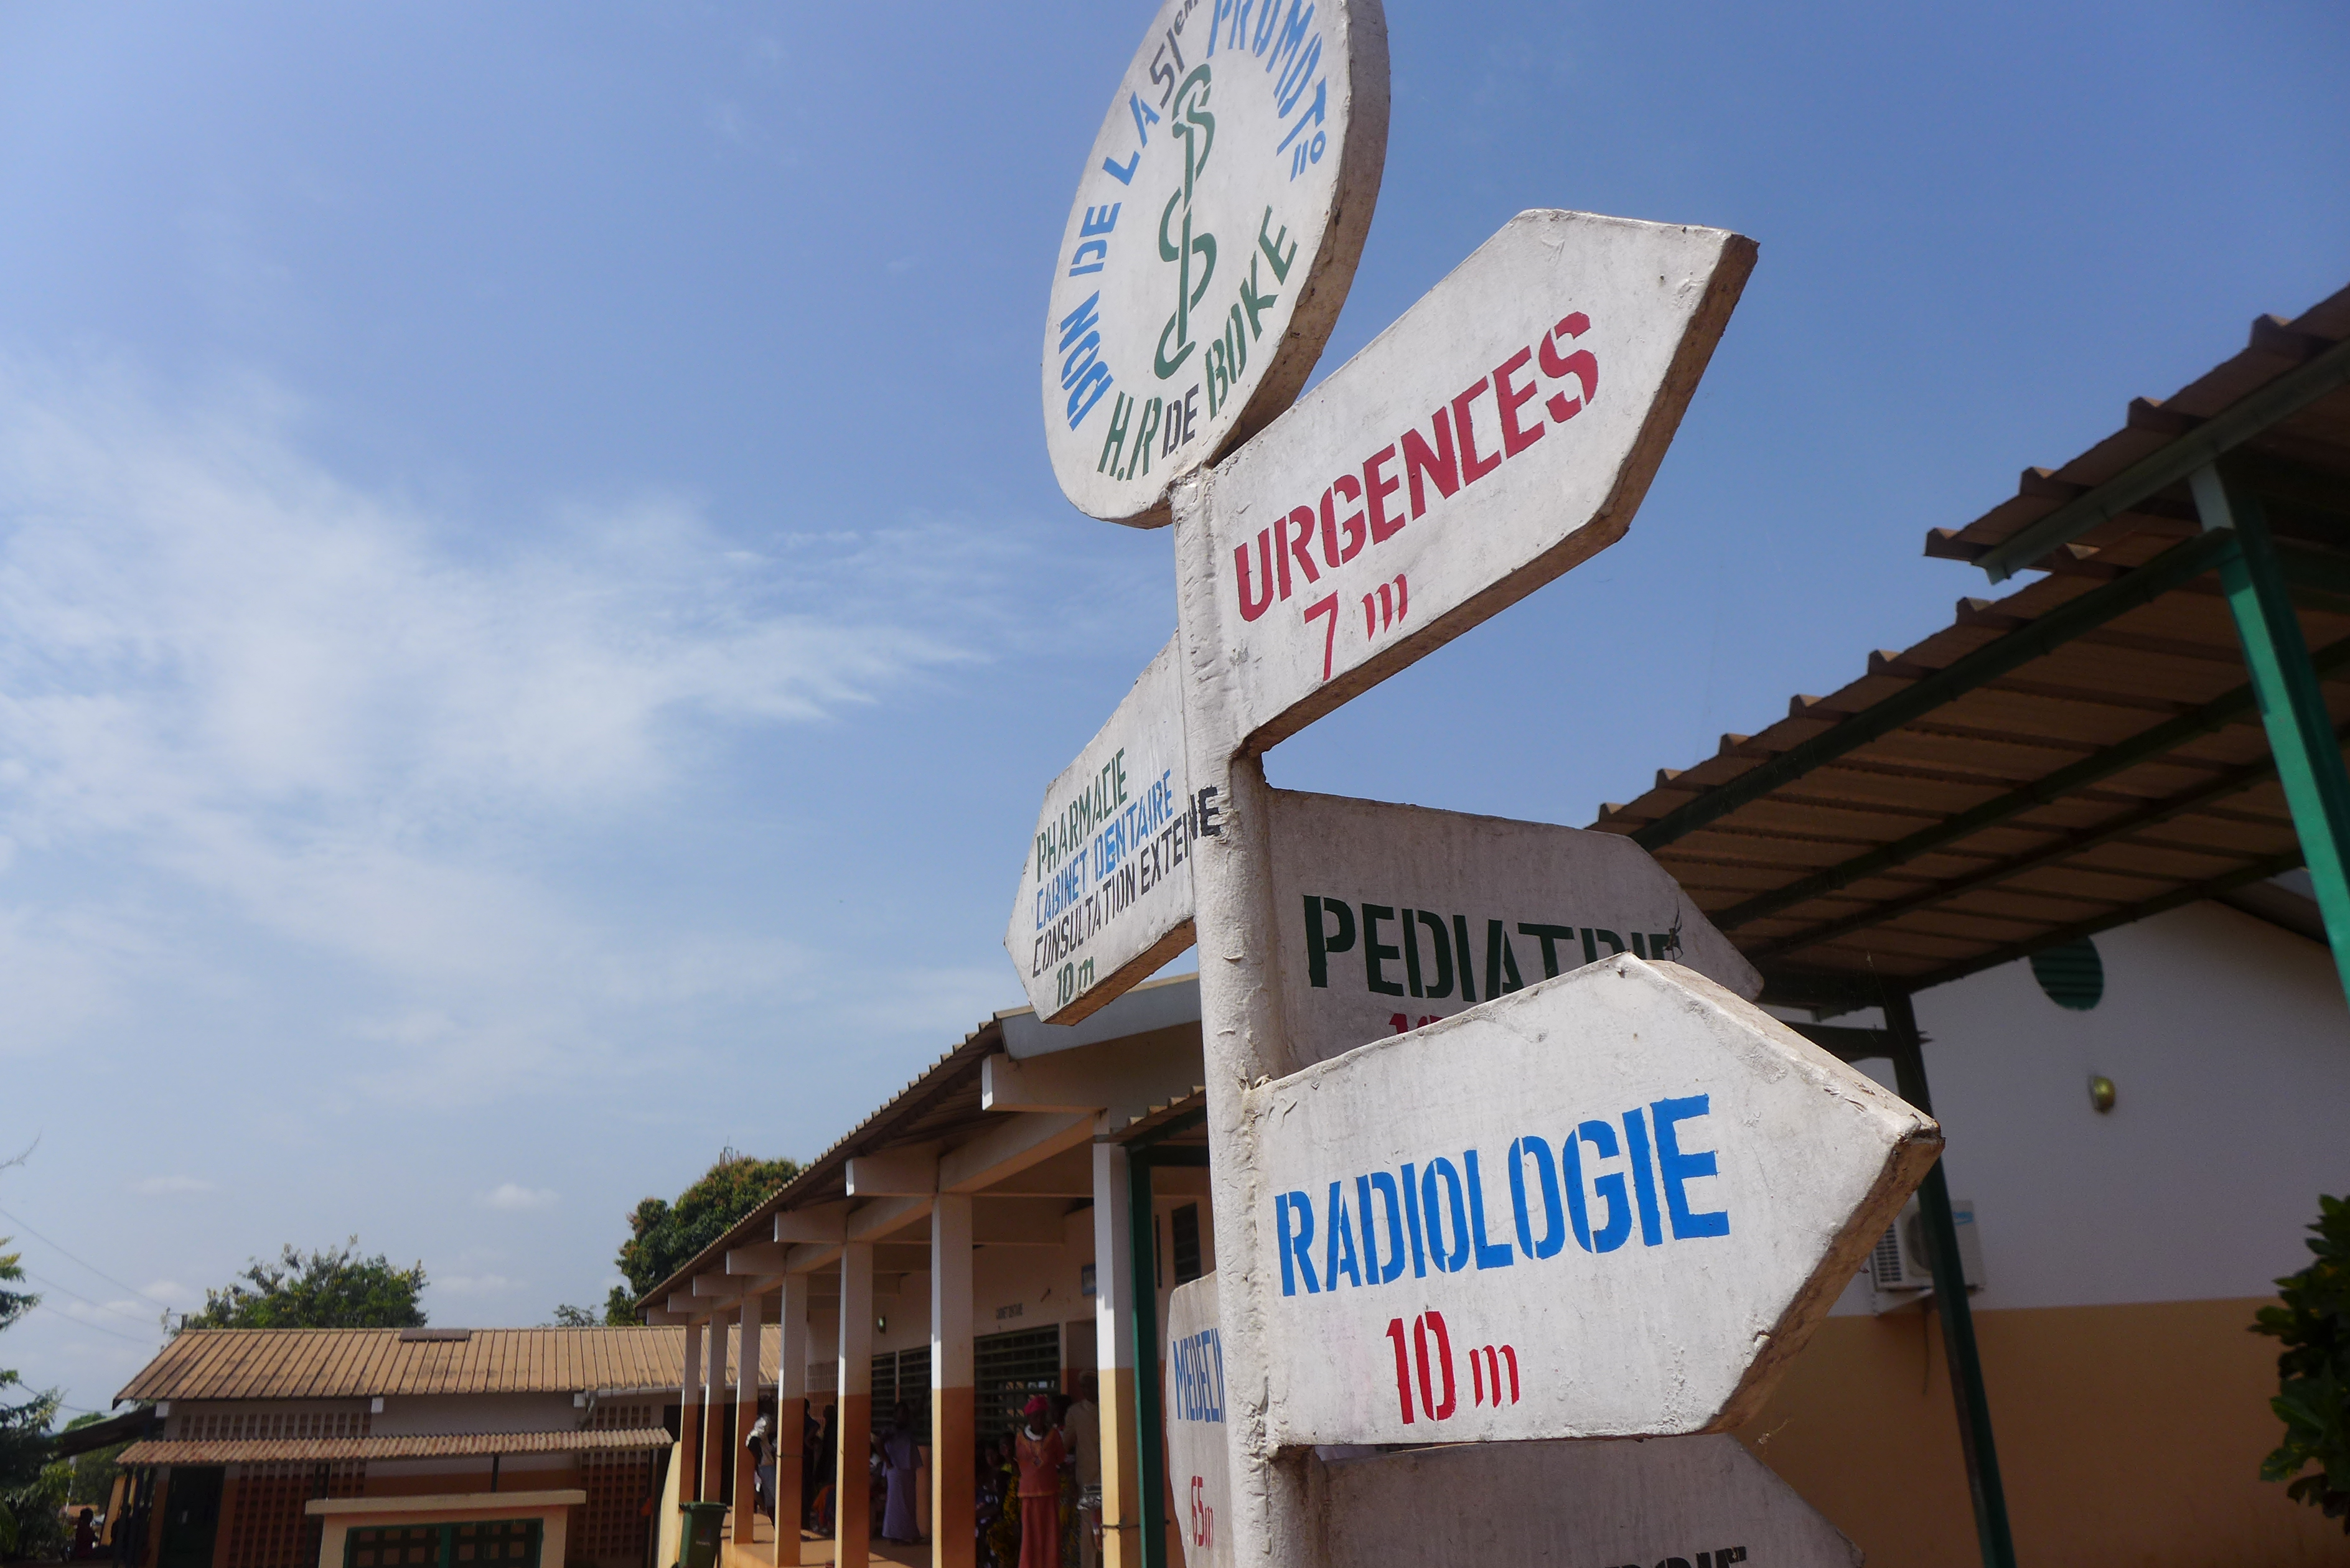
(1039, 1451)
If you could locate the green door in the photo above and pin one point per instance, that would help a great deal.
(192, 1501)
(513, 1543)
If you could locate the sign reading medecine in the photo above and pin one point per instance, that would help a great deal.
(1197, 1453)
(1393, 917)
(1216, 231)
(1504, 429)
(1612, 1204)
(1105, 891)
(1681, 1502)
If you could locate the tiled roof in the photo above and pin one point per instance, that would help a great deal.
(442, 1446)
(363, 1363)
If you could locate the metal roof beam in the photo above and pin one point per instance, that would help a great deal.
(2179, 564)
(2079, 841)
(2229, 707)
(2245, 417)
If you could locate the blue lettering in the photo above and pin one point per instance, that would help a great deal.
(1676, 1168)
(1490, 1254)
(1457, 1259)
(1293, 1245)
(1553, 1220)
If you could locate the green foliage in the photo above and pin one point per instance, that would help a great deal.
(2314, 1374)
(34, 1513)
(569, 1316)
(93, 1472)
(333, 1288)
(664, 1236)
(24, 1428)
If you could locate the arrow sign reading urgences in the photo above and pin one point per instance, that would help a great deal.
(1503, 430)
(1613, 1204)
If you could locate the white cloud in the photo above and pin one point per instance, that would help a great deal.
(173, 1292)
(475, 1285)
(514, 1196)
(246, 687)
(166, 1186)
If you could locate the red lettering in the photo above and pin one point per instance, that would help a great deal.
(1328, 605)
(1515, 439)
(1250, 611)
(1472, 467)
(1439, 465)
(1348, 486)
(1300, 549)
(1580, 364)
(1377, 490)
(1403, 1370)
(1436, 1409)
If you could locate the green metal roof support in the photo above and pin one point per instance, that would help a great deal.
(1143, 1247)
(1958, 1349)
(2293, 701)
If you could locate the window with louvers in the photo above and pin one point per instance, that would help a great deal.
(1012, 1368)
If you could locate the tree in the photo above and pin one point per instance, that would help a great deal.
(569, 1316)
(24, 1431)
(2314, 1374)
(663, 1236)
(93, 1472)
(333, 1288)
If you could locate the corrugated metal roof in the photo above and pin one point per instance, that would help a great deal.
(444, 1446)
(364, 1363)
(2080, 753)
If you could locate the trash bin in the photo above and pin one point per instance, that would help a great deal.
(697, 1544)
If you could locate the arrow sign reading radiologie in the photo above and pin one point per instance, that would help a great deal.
(1503, 430)
(1613, 1204)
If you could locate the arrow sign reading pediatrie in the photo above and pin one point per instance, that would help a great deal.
(1504, 429)
(1612, 1204)
(1392, 917)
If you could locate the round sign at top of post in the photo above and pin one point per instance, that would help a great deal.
(1214, 236)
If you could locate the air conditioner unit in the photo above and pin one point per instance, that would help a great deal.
(1898, 1273)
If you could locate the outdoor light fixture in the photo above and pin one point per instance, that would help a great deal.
(881, 1325)
(2101, 1093)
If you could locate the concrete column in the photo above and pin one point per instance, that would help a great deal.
(1113, 1352)
(852, 1531)
(954, 1410)
(717, 1420)
(747, 1411)
(791, 1416)
(689, 1419)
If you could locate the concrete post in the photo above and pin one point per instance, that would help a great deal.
(747, 1411)
(1114, 1354)
(1240, 1033)
(689, 1419)
(716, 1415)
(852, 1530)
(955, 1401)
(791, 1416)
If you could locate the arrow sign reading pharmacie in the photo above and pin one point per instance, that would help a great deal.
(1503, 430)
(1214, 236)
(1613, 1204)
(1105, 891)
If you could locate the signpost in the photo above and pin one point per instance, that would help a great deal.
(1105, 891)
(1393, 917)
(1583, 1188)
(1478, 1231)
(1215, 231)
(1503, 430)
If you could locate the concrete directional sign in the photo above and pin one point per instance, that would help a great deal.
(1216, 231)
(1503, 430)
(1393, 917)
(1612, 1204)
(1197, 1457)
(1105, 891)
(1676, 1502)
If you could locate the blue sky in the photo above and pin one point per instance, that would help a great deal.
(534, 616)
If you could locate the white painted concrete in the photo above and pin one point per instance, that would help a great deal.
(1192, 1396)
(1379, 902)
(1613, 1204)
(1679, 1503)
(1215, 230)
(1503, 430)
(1104, 894)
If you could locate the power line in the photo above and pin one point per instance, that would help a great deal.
(102, 1306)
(94, 1327)
(93, 1268)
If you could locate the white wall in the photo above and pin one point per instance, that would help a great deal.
(2229, 1046)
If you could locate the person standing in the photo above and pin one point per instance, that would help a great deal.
(1084, 1427)
(1040, 1451)
(901, 1462)
(762, 1466)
